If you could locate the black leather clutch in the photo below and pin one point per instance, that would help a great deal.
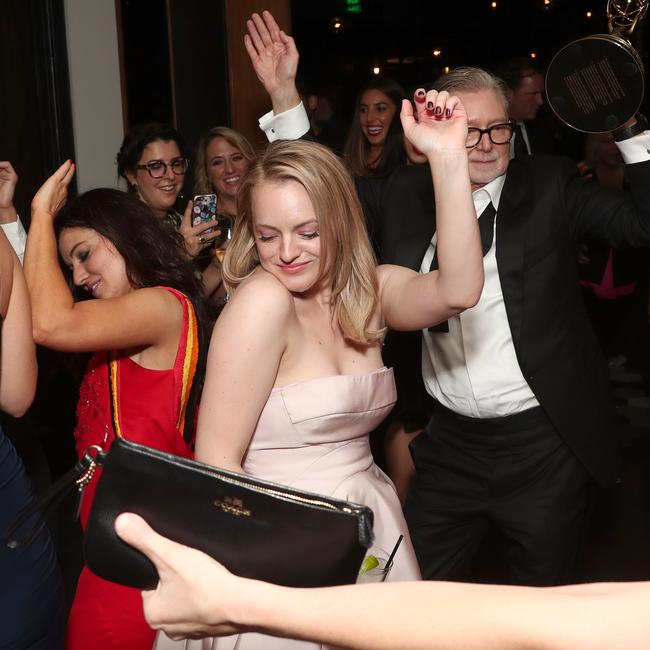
(255, 528)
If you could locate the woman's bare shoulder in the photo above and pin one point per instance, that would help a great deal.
(388, 273)
(263, 295)
(155, 300)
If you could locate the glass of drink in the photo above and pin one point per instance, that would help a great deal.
(221, 243)
(375, 567)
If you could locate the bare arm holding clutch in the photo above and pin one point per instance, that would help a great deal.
(197, 597)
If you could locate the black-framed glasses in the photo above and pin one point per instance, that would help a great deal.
(158, 168)
(498, 134)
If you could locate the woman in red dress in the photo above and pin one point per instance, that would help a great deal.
(143, 329)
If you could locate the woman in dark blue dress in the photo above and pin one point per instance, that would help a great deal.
(32, 603)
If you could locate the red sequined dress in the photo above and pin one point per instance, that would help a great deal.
(151, 408)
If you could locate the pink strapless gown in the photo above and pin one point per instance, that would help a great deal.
(313, 435)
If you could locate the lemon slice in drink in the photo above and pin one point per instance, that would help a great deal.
(369, 563)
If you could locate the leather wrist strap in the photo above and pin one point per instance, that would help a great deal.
(32, 517)
(639, 126)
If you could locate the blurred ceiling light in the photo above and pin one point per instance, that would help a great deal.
(437, 52)
(376, 70)
(336, 24)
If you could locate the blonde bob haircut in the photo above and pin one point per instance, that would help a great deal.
(346, 254)
(202, 184)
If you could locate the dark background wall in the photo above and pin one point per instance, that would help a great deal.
(174, 63)
(36, 126)
(401, 35)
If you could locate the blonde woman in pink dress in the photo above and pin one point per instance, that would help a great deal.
(295, 379)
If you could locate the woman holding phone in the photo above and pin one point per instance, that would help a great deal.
(222, 160)
(153, 160)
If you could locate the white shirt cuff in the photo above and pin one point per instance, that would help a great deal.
(636, 149)
(288, 125)
(17, 237)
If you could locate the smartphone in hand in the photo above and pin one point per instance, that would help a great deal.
(204, 209)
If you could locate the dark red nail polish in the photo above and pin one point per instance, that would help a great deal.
(448, 112)
(420, 93)
(438, 110)
(430, 105)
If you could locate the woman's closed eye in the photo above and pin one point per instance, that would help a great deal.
(83, 255)
(310, 235)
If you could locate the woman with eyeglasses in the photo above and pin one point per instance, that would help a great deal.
(153, 160)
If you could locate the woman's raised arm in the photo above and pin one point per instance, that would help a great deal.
(412, 301)
(139, 318)
(17, 352)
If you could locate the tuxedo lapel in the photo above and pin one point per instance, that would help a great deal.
(512, 222)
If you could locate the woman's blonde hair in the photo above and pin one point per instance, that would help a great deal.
(346, 254)
(234, 138)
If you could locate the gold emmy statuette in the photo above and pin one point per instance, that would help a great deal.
(596, 84)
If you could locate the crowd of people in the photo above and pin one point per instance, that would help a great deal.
(427, 278)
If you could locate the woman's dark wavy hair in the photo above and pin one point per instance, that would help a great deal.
(152, 253)
(357, 145)
(137, 138)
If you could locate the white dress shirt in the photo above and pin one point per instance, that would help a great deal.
(288, 125)
(473, 369)
(17, 237)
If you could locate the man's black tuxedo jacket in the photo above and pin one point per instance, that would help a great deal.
(544, 210)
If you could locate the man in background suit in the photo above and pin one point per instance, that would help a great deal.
(525, 97)
(524, 422)
(537, 131)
